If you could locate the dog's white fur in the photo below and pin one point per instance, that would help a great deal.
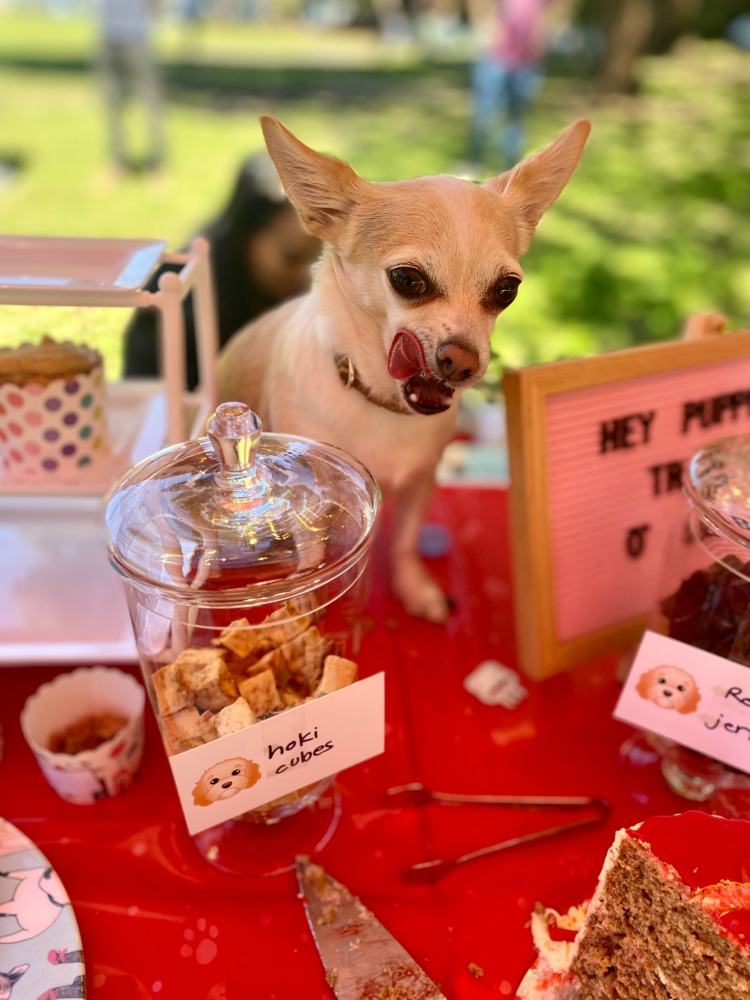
(465, 239)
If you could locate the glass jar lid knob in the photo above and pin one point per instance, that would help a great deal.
(234, 431)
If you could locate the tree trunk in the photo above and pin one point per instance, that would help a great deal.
(629, 32)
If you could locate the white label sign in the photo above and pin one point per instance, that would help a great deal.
(695, 698)
(299, 747)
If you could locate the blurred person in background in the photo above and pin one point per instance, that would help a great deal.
(129, 69)
(506, 80)
(260, 256)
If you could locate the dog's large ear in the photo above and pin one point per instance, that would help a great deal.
(534, 183)
(200, 794)
(644, 683)
(692, 698)
(322, 189)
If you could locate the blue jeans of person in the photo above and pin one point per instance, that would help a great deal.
(501, 99)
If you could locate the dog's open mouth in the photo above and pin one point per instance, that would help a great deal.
(423, 392)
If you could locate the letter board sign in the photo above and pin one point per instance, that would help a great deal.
(596, 452)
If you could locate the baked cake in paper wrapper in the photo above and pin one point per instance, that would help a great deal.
(53, 419)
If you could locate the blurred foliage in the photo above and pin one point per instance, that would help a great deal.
(651, 228)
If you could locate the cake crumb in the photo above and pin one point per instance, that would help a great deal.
(327, 916)
(476, 970)
(332, 977)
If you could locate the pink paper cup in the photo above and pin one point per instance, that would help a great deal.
(109, 769)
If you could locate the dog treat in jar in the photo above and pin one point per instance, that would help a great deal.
(244, 557)
(705, 602)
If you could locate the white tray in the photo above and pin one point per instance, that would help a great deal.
(61, 600)
(51, 263)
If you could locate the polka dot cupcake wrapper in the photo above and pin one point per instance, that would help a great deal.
(46, 430)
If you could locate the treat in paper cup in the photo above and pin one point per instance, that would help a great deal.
(53, 420)
(85, 729)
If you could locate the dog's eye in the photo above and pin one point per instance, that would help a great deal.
(681, 687)
(408, 282)
(503, 292)
(661, 680)
(214, 781)
(236, 771)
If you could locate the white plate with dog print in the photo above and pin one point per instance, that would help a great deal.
(40, 947)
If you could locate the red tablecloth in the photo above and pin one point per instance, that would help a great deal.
(156, 920)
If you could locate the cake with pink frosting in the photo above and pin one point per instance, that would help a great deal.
(669, 919)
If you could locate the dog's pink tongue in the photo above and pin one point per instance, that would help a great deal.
(406, 357)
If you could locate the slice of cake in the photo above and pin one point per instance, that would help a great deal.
(669, 920)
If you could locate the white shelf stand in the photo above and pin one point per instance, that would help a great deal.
(24, 283)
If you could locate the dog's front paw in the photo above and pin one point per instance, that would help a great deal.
(418, 592)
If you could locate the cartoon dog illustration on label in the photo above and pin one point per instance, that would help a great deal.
(224, 780)
(669, 687)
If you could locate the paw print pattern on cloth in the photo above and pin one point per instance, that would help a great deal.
(200, 944)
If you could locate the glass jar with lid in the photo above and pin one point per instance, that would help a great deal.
(243, 556)
(705, 603)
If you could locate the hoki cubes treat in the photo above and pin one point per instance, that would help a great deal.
(53, 421)
(669, 919)
(246, 675)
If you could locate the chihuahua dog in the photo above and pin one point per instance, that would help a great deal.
(404, 299)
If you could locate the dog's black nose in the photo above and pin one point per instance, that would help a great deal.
(227, 784)
(667, 693)
(455, 362)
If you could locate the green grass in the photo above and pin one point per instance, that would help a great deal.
(651, 228)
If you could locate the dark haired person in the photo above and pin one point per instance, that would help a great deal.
(260, 256)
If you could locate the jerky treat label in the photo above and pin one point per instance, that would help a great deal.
(691, 696)
(281, 754)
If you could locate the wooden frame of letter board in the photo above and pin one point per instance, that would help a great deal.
(526, 392)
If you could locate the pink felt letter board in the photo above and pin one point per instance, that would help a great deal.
(596, 451)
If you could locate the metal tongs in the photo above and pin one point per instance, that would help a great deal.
(416, 795)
